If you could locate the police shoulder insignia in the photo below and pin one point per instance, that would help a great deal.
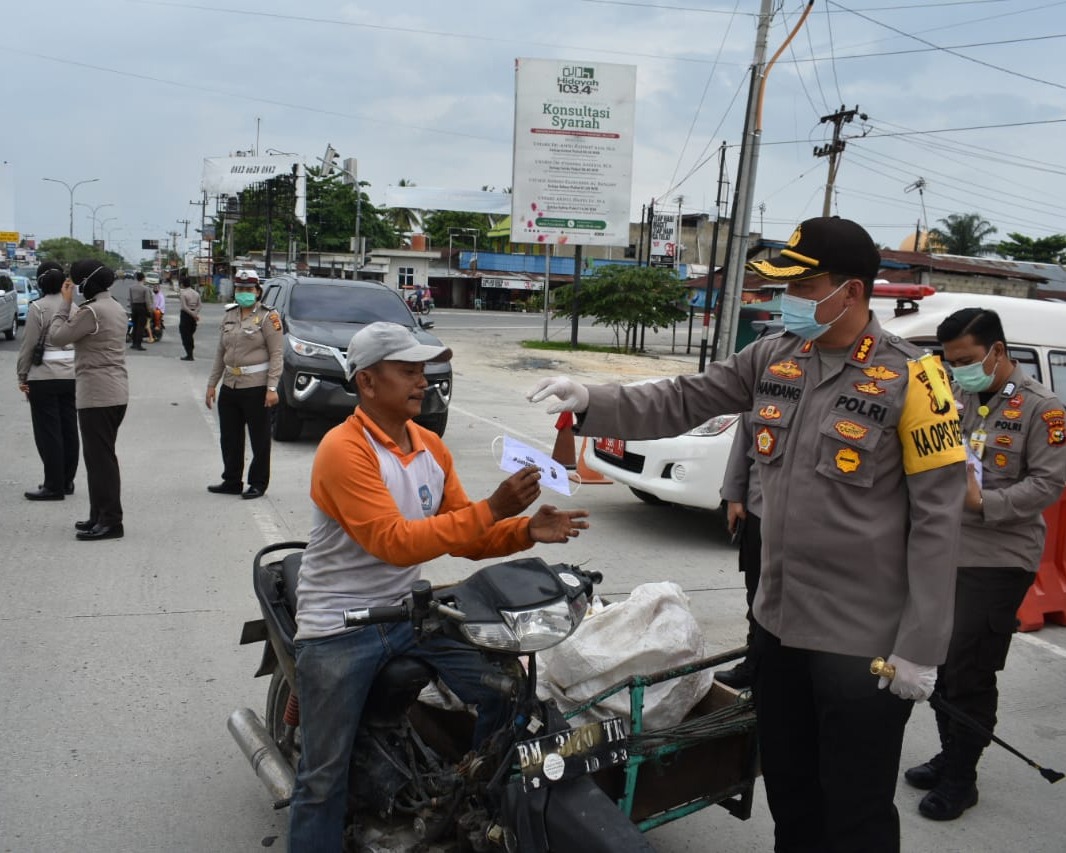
(807, 346)
(880, 372)
(275, 320)
(871, 388)
(1056, 426)
(765, 441)
(1056, 436)
(864, 349)
(1053, 415)
(848, 460)
(786, 369)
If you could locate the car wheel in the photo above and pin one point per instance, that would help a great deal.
(286, 423)
(435, 423)
(10, 333)
(647, 497)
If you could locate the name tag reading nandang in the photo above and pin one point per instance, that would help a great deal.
(517, 456)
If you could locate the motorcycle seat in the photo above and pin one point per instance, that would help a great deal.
(290, 568)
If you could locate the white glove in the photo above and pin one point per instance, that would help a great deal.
(911, 681)
(573, 397)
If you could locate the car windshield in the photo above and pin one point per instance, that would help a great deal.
(347, 305)
(22, 285)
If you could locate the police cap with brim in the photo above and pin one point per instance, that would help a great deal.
(827, 244)
(389, 342)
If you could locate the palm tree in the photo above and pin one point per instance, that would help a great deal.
(965, 234)
(405, 219)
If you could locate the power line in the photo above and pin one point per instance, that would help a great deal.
(913, 50)
(948, 50)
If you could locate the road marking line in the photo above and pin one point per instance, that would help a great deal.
(1041, 643)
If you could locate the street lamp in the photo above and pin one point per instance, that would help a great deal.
(94, 209)
(71, 189)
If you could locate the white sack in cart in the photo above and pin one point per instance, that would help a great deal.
(652, 630)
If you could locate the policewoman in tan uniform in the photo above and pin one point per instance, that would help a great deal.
(1016, 432)
(49, 386)
(860, 456)
(97, 328)
(248, 360)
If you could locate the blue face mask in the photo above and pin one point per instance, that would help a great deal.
(972, 378)
(798, 313)
(245, 300)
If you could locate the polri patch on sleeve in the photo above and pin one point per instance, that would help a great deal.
(930, 435)
(276, 320)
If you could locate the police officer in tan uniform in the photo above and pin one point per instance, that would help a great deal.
(248, 361)
(97, 328)
(861, 461)
(1015, 430)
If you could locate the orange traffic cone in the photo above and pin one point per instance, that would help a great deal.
(563, 451)
(586, 474)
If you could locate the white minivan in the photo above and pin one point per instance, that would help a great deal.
(688, 469)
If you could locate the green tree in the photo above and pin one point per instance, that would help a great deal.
(66, 250)
(438, 223)
(404, 219)
(965, 234)
(1046, 250)
(332, 207)
(625, 297)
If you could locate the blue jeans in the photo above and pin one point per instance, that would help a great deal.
(333, 678)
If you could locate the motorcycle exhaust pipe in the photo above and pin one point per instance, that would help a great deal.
(266, 759)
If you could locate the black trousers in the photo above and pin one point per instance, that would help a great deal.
(99, 431)
(187, 328)
(830, 744)
(55, 430)
(986, 604)
(240, 409)
(751, 565)
(139, 312)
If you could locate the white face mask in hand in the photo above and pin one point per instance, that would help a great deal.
(572, 396)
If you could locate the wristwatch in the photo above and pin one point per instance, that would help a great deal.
(272, 388)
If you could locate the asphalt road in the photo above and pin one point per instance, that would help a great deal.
(121, 659)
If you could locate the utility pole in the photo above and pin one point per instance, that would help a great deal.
(185, 222)
(834, 149)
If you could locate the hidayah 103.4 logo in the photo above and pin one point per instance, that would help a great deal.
(578, 80)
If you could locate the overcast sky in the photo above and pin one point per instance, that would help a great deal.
(970, 96)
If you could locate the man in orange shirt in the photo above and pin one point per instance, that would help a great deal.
(387, 499)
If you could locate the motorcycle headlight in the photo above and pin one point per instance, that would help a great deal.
(530, 630)
(308, 349)
(715, 426)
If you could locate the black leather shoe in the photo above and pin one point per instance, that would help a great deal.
(225, 489)
(927, 776)
(84, 525)
(253, 492)
(100, 531)
(739, 677)
(43, 494)
(948, 800)
(186, 358)
(138, 348)
(69, 488)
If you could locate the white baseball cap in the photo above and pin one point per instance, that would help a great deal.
(389, 342)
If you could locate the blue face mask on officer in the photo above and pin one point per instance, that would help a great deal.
(797, 315)
(972, 378)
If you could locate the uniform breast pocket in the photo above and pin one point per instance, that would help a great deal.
(846, 450)
(770, 429)
(1002, 463)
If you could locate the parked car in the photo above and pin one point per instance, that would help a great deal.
(319, 317)
(9, 306)
(26, 291)
(688, 469)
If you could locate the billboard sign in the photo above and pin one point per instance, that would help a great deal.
(149, 245)
(664, 236)
(573, 152)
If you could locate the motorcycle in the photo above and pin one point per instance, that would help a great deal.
(426, 306)
(414, 783)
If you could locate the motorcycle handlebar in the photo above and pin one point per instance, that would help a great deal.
(359, 616)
